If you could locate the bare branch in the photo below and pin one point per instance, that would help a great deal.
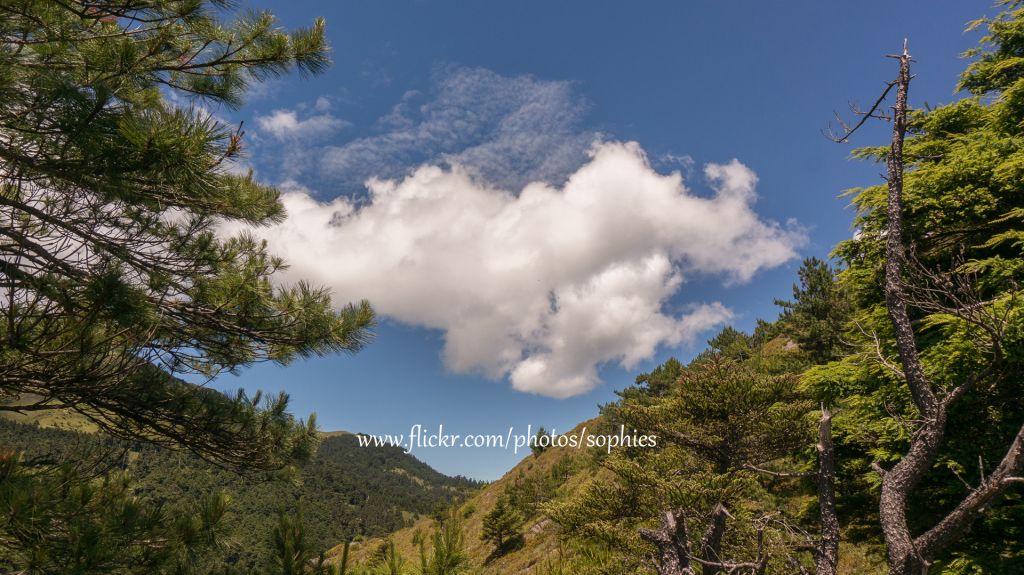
(879, 355)
(847, 131)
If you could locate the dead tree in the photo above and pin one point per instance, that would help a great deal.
(909, 554)
(675, 556)
(826, 550)
(824, 545)
(673, 544)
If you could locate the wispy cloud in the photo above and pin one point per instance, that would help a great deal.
(508, 130)
(286, 125)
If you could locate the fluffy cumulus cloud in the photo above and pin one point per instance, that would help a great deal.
(546, 283)
(510, 130)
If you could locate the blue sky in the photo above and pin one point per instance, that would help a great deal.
(592, 289)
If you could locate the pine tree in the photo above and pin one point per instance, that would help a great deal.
(294, 553)
(722, 432)
(394, 563)
(541, 441)
(58, 520)
(501, 525)
(448, 553)
(116, 281)
(817, 315)
(113, 178)
(663, 379)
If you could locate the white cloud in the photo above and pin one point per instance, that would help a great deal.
(285, 125)
(546, 285)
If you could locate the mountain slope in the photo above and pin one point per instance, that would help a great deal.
(346, 491)
(536, 480)
(548, 478)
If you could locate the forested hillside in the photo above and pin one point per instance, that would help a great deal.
(344, 492)
(737, 428)
(874, 425)
(531, 543)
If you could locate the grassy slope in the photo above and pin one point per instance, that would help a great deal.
(541, 542)
(540, 536)
(56, 418)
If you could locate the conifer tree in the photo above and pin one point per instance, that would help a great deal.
(394, 563)
(817, 315)
(447, 555)
(697, 498)
(292, 552)
(541, 441)
(58, 520)
(114, 175)
(116, 280)
(501, 525)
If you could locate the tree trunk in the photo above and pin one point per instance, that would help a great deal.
(908, 555)
(897, 483)
(827, 557)
(672, 542)
(711, 544)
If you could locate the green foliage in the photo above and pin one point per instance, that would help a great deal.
(816, 317)
(117, 189)
(391, 562)
(346, 490)
(113, 181)
(291, 550)
(540, 442)
(962, 210)
(448, 553)
(662, 380)
(526, 494)
(728, 413)
(59, 520)
(501, 526)
(723, 417)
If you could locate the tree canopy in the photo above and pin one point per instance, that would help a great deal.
(121, 293)
(114, 176)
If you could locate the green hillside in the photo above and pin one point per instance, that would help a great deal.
(544, 481)
(344, 492)
(537, 480)
(736, 429)
(738, 409)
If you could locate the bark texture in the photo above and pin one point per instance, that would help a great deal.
(909, 555)
(826, 559)
(711, 544)
(672, 542)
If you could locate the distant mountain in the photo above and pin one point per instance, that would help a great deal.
(346, 491)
